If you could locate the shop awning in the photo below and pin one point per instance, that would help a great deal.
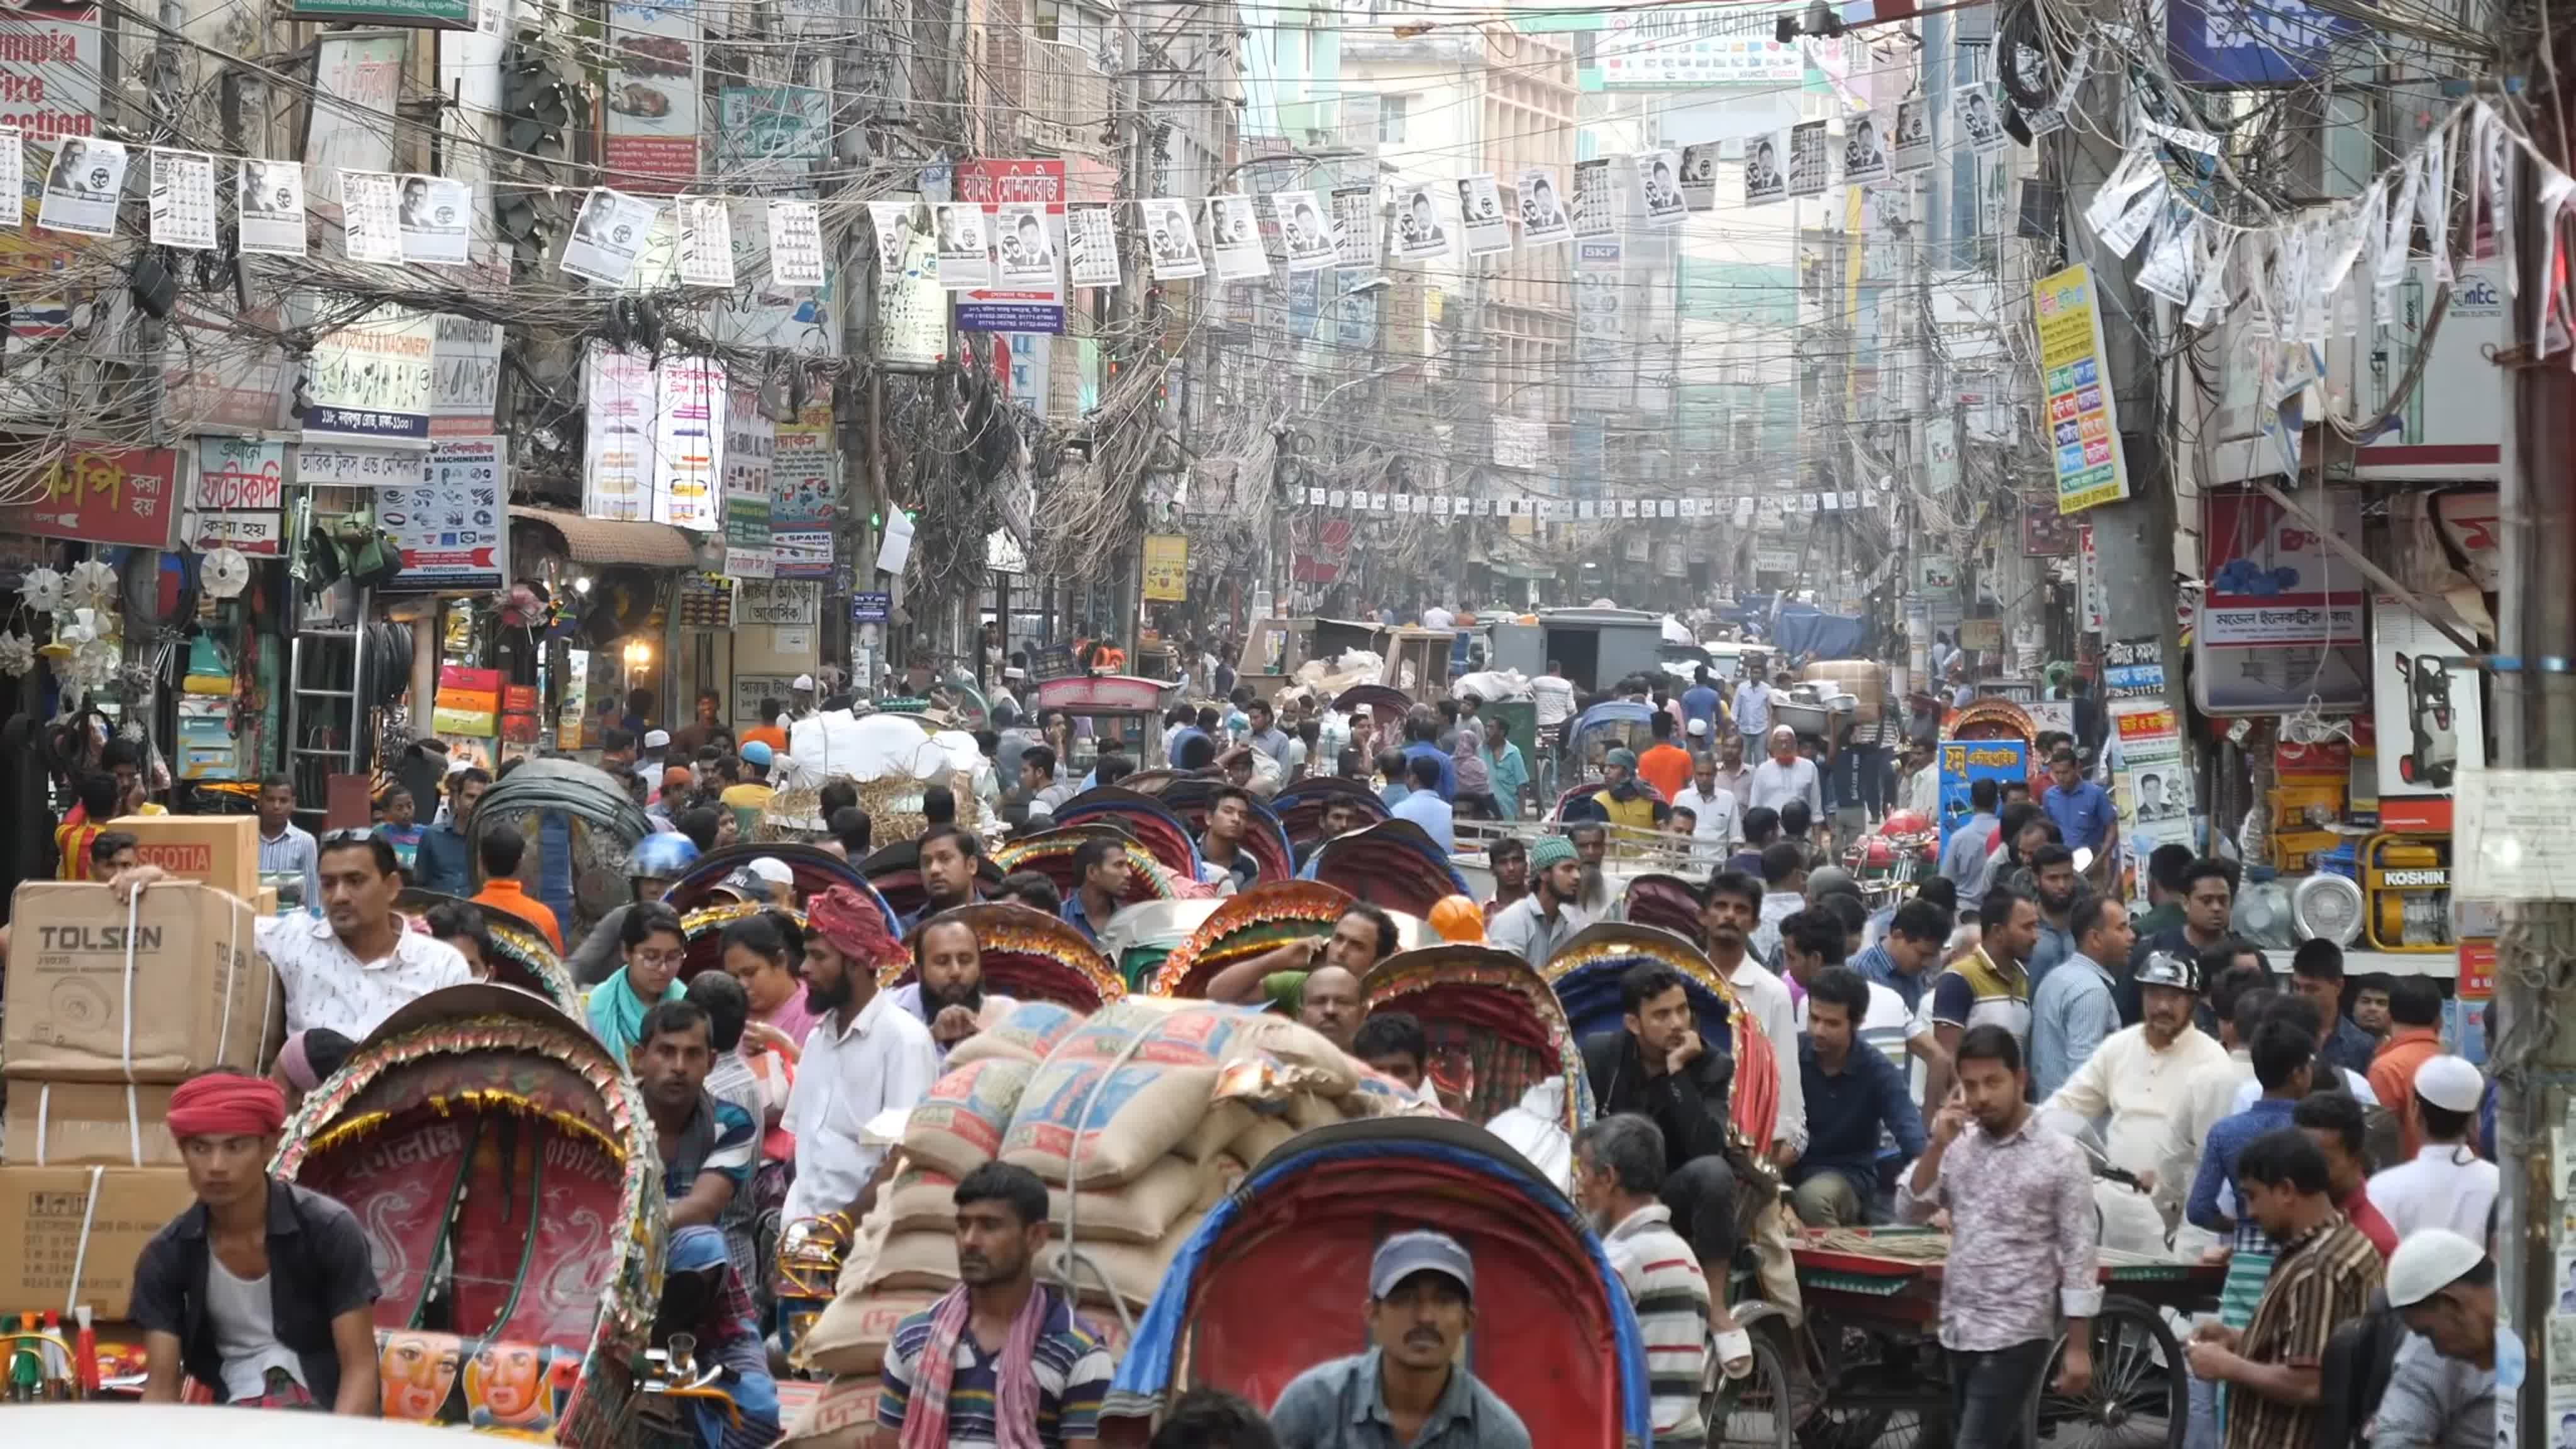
(613, 541)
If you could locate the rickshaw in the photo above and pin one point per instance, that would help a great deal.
(1271, 1282)
(702, 931)
(1586, 972)
(1140, 938)
(581, 826)
(1496, 1030)
(1300, 806)
(1665, 902)
(1888, 861)
(504, 1171)
(521, 956)
(1391, 864)
(1244, 925)
(1386, 705)
(1050, 853)
(1028, 955)
(1264, 838)
(816, 870)
(1152, 823)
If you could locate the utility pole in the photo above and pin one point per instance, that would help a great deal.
(1131, 328)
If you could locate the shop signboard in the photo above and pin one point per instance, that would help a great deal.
(2046, 533)
(2427, 711)
(993, 184)
(467, 386)
(105, 495)
(1167, 567)
(777, 604)
(651, 134)
(239, 496)
(772, 133)
(1693, 47)
(373, 378)
(421, 14)
(801, 471)
(2134, 669)
(1964, 762)
(2083, 418)
(50, 63)
(802, 553)
(750, 689)
(452, 525)
(688, 442)
(751, 440)
(870, 606)
(2151, 785)
(2091, 599)
(357, 77)
(2280, 614)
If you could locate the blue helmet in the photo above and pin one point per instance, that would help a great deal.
(662, 856)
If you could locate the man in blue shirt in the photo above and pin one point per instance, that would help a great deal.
(2284, 1058)
(1910, 955)
(2080, 808)
(2073, 1010)
(445, 862)
(1753, 707)
(1700, 702)
(1854, 1096)
(1423, 805)
(1421, 735)
(1964, 858)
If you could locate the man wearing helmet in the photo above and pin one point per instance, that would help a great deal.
(2133, 1086)
(658, 860)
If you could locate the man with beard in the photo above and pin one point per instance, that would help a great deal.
(1316, 980)
(2073, 1012)
(1618, 1172)
(709, 1146)
(864, 1056)
(2208, 890)
(2052, 880)
(947, 994)
(2136, 1085)
(1626, 800)
(1538, 925)
(1987, 986)
(1000, 1358)
(1726, 915)
(1412, 1386)
(2023, 1248)
(947, 856)
(1591, 847)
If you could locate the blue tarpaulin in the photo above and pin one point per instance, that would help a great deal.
(1805, 630)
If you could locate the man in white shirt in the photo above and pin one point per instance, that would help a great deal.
(1537, 925)
(866, 1055)
(355, 964)
(1787, 775)
(2240, 997)
(2139, 1079)
(1726, 916)
(1752, 705)
(1553, 695)
(1436, 617)
(1717, 818)
(2447, 1185)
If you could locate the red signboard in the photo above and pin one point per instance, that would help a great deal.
(127, 496)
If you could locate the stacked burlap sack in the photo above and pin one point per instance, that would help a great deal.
(1139, 1120)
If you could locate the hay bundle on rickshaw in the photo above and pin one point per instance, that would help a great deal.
(1494, 1025)
(1028, 955)
(1391, 864)
(1586, 977)
(1272, 1281)
(505, 1173)
(1246, 924)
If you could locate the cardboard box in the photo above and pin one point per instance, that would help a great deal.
(202, 994)
(470, 701)
(519, 699)
(480, 681)
(71, 1235)
(220, 850)
(481, 724)
(81, 1124)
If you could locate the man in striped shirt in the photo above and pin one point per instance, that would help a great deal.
(1618, 1168)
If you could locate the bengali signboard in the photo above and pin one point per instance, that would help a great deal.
(374, 378)
(1964, 762)
(50, 63)
(2083, 418)
(452, 526)
(1685, 48)
(801, 470)
(239, 496)
(651, 134)
(2151, 783)
(2280, 615)
(1167, 567)
(992, 184)
(105, 495)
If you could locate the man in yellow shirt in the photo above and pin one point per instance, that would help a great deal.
(750, 799)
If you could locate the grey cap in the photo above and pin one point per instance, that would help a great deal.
(1831, 880)
(1421, 1251)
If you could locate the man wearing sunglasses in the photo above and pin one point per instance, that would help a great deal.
(355, 964)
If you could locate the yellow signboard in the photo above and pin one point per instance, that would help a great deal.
(1167, 567)
(2083, 421)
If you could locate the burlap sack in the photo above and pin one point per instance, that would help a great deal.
(922, 1200)
(958, 1127)
(1085, 1124)
(1175, 1033)
(861, 1258)
(1141, 1211)
(1308, 1063)
(1030, 1031)
(843, 1417)
(851, 1334)
(1264, 1135)
(923, 1259)
(1132, 1271)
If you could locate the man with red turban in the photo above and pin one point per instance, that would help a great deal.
(262, 1292)
(865, 1055)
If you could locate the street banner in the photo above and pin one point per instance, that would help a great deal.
(1965, 762)
(2083, 418)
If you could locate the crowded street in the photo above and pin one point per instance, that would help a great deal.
(1211, 726)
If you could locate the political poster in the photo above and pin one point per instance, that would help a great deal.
(1304, 231)
(272, 208)
(1864, 150)
(1172, 241)
(1358, 231)
(83, 187)
(1480, 216)
(2083, 417)
(1911, 150)
(1543, 218)
(1595, 212)
(1418, 232)
(965, 249)
(1234, 230)
(432, 220)
(1699, 176)
(1766, 174)
(1091, 245)
(183, 199)
(2150, 781)
(607, 235)
(1659, 179)
(1809, 170)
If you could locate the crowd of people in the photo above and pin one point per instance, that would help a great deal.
(1979, 1052)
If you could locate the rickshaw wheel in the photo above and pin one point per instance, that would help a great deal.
(2139, 1398)
(1754, 1411)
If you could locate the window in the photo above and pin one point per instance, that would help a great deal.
(1390, 119)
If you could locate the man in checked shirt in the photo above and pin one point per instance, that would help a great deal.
(2022, 1244)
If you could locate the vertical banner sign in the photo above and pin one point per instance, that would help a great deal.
(2151, 783)
(2083, 420)
(751, 443)
(2431, 728)
(50, 63)
(374, 378)
(1965, 762)
(240, 492)
(1602, 362)
(452, 526)
(1167, 567)
(2095, 606)
(688, 416)
(467, 387)
(356, 78)
(801, 492)
(651, 130)
(1024, 308)
(617, 397)
(1594, 215)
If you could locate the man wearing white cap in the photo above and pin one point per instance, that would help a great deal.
(2441, 1391)
(1409, 1388)
(800, 695)
(2447, 1185)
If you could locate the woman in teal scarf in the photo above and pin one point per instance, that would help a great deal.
(654, 946)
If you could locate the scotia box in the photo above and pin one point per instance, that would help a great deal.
(81, 1124)
(185, 958)
(219, 850)
(71, 1235)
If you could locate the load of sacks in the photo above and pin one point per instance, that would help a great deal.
(1139, 1119)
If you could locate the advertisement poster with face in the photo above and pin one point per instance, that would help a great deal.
(1418, 232)
(1480, 214)
(1765, 179)
(1303, 230)
(1911, 150)
(1659, 176)
(432, 220)
(1979, 121)
(82, 187)
(1543, 218)
(1234, 229)
(607, 236)
(1025, 251)
(1172, 241)
(1699, 176)
(965, 250)
(1864, 150)
(272, 208)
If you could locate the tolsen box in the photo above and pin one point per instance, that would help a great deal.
(85, 1124)
(185, 960)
